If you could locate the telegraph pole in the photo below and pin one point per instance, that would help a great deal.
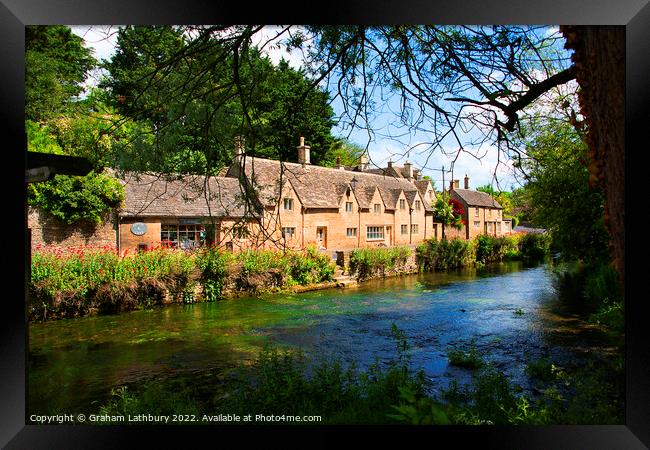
(443, 195)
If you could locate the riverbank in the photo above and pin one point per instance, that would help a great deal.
(87, 281)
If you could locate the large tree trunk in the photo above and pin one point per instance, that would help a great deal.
(599, 60)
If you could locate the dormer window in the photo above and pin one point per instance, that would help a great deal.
(417, 205)
(402, 204)
(377, 208)
(288, 203)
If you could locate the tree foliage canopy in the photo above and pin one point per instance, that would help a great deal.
(559, 194)
(56, 65)
(199, 89)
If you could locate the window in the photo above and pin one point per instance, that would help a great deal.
(348, 206)
(475, 212)
(489, 225)
(182, 236)
(351, 232)
(288, 232)
(169, 235)
(414, 228)
(498, 214)
(417, 205)
(489, 212)
(377, 208)
(477, 223)
(505, 226)
(187, 236)
(405, 229)
(402, 204)
(288, 203)
(499, 227)
(375, 233)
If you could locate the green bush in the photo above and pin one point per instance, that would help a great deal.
(77, 199)
(534, 246)
(214, 269)
(369, 262)
(446, 254)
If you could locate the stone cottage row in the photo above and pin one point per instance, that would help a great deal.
(262, 203)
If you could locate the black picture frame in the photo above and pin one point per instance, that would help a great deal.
(15, 14)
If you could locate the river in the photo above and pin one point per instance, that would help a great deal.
(509, 312)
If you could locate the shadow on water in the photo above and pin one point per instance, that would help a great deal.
(510, 313)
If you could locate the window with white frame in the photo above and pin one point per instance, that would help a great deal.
(375, 232)
(351, 232)
(288, 203)
(477, 224)
(476, 212)
(182, 236)
(405, 229)
(348, 207)
(414, 228)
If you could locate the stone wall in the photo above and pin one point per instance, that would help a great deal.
(50, 231)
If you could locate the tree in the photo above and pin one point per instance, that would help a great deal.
(59, 122)
(559, 193)
(343, 150)
(599, 60)
(198, 93)
(56, 65)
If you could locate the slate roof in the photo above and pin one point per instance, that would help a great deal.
(423, 185)
(155, 195)
(320, 187)
(477, 198)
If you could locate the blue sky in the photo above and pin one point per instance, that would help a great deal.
(479, 162)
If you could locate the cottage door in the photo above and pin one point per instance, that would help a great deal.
(321, 237)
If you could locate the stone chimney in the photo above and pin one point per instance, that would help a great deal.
(408, 170)
(466, 182)
(453, 184)
(390, 164)
(363, 162)
(303, 152)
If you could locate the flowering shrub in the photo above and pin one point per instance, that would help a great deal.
(82, 280)
(449, 212)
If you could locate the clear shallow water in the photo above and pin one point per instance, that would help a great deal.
(74, 363)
